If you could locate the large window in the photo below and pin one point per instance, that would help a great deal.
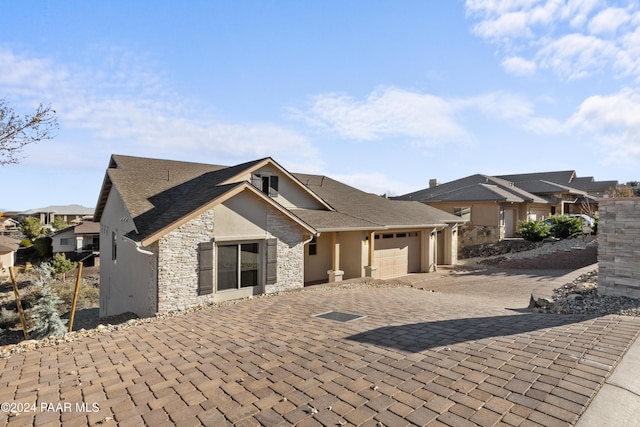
(238, 266)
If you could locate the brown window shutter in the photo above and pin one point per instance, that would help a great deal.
(273, 190)
(272, 261)
(205, 270)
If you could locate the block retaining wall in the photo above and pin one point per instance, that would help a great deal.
(619, 247)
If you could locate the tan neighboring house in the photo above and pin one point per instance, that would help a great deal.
(178, 234)
(71, 214)
(77, 241)
(493, 205)
(8, 250)
(566, 192)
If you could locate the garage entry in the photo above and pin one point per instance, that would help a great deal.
(397, 254)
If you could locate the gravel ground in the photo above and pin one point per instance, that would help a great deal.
(540, 249)
(581, 297)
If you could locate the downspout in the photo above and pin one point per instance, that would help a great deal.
(138, 246)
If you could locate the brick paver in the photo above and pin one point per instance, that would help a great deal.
(457, 348)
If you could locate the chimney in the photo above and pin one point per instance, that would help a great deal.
(433, 182)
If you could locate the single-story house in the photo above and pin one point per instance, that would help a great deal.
(71, 214)
(178, 234)
(493, 205)
(77, 241)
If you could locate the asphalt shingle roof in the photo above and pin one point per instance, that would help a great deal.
(372, 208)
(476, 187)
(158, 193)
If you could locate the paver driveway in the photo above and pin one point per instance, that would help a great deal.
(464, 350)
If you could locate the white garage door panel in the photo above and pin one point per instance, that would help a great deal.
(397, 256)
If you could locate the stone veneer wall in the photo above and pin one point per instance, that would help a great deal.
(619, 247)
(470, 235)
(178, 264)
(290, 252)
(178, 260)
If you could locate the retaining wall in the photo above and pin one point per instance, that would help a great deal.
(619, 247)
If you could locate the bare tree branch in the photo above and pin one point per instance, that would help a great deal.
(16, 132)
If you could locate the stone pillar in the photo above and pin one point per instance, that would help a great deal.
(618, 242)
(335, 275)
(371, 271)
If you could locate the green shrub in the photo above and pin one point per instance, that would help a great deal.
(43, 247)
(533, 230)
(563, 226)
(26, 243)
(62, 265)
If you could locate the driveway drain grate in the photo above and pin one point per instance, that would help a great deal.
(339, 316)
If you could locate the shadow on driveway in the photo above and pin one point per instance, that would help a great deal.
(418, 337)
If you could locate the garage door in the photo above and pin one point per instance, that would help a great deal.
(397, 254)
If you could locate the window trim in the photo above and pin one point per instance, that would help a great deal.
(267, 183)
(313, 246)
(464, 212)
(238, 245)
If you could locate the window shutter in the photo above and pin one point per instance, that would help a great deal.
(273, 190)
(272, 261)
(205, 273)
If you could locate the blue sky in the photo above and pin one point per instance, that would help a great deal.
(382, 95)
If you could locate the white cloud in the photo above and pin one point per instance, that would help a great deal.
(598, 37)
(508, 25)
(576, 56)
(608, 21)
(375, 183)
(519, 66)
(614, 120)
(385, 113)
(426, 119)
(129, 109)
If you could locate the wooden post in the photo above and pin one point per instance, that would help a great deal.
(75, 296)
(18, 303)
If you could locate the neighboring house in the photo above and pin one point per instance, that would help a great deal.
(177, 234)
(9, 224)
(567, 193)
(493, 205)
(77, 241)
(71, 214)
(490, 206)
(8, 249)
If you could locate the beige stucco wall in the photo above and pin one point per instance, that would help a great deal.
(127, 284)
(351, 248)
(290, 194)
(619, 247)
(7, 259)
(316, 266)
